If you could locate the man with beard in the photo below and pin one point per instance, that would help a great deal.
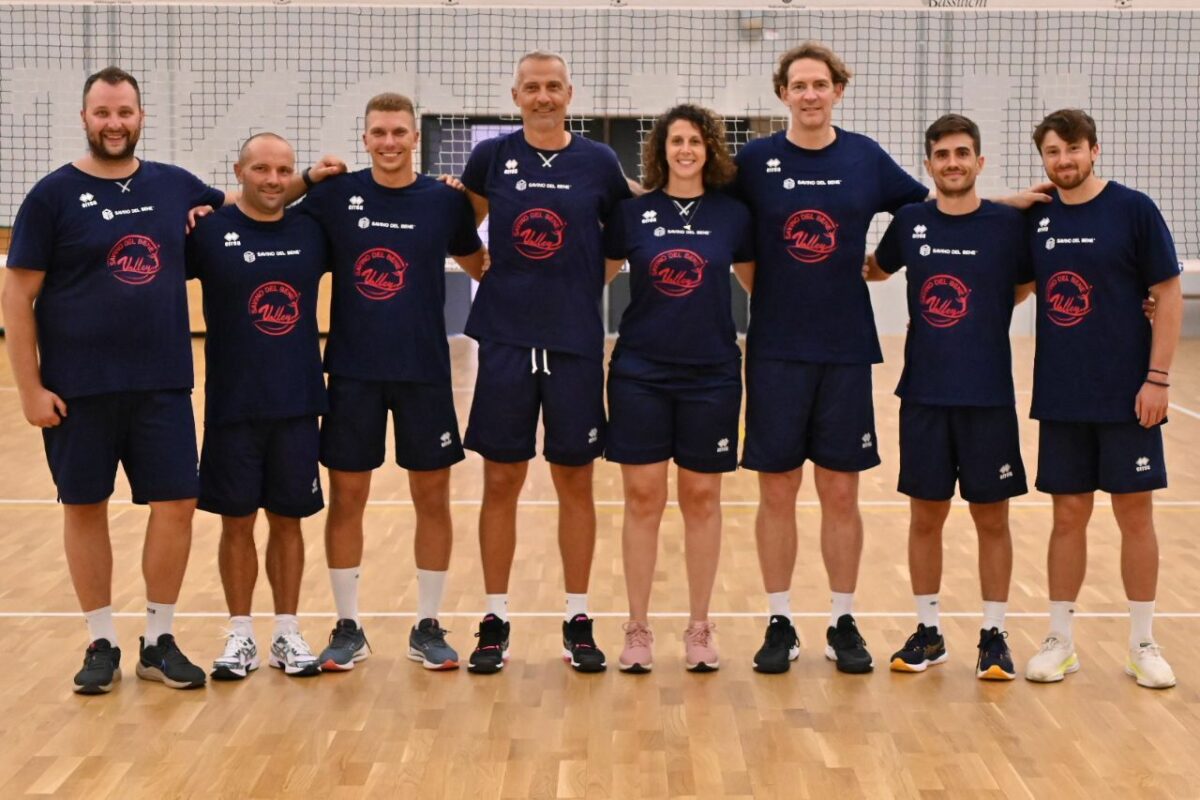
(541, 340)
(259, 267)
(958, 421)
(95, 308)
(391, 230)
(1100, 384)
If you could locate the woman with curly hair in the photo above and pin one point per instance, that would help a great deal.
(674, 382)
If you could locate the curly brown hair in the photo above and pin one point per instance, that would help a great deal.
(719, 169)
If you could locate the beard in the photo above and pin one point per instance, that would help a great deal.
(1072, 179)
(101, 152)
(962, 191)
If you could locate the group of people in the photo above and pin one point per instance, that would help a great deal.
(99, 248)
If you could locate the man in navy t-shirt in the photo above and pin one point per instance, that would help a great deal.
(1100, 381)
(259, 267)
(813, 190)
(95, 307)
(967, 264)
(536, 316)
(391, 230)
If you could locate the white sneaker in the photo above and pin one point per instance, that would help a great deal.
(1054, 661)
(1146, 663)
(239, 659)
(290, 653)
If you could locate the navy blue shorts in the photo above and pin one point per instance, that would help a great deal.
(979, 447)
(1115, 457)
(658, 411)
(514, 383)
(151, 434)
(797, 411)
(424, 423)
(267, 463)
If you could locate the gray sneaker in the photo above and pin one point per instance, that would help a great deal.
(347, 644)
(427, 644)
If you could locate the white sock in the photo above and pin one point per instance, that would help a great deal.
(843, 603)
(100, 624)
(430, 586)
(1141, 617)
(159, 617)
(242, 626)
(993, 614)
(1062, 617)
(779, 604)
(497, 604)
(285, 623)
(345, 592)
(576, 605)
(928, 608)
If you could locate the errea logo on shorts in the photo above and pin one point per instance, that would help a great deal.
(87, 200)
(446, 439)
(593, 435)
(773, 165)
(232, 239)
(316, 487)
(867, 441)
(919, 231)
(649, 216)
(1044, 225)
(723, 445)
(1143, 464)
(356, 204)
(510, 167)
(1005, 471)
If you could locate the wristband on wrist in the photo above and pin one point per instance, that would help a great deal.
(1159, 371)
(309, 183)
(1163, 384)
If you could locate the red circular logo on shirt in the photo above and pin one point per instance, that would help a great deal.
(944, 301)
(1068, 299)
(275, 308)
(134, 260)
(538, 233)
(677, 273)
(811, 236)
(379, 273)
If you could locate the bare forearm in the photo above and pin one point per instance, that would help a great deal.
(20, 339)
(1168, 322)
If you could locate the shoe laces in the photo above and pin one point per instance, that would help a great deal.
(847, 637)
(637, 634)
(490, 633)
(96, 654)
(294, 644)
(699, 634)
(782, 634)
(1150, 650)
(994, 643)
(580, 631)
(236, 643)
(169, 651)
(346, 635)
(1051, 642)
(435, 632)
(919, 639)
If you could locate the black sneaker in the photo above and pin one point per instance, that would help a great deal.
(995, 661)
(165, 662)
(492, 651)
(846, 646)
(101, 668)
(780, 647)
(923, 649)
(579, 648)
(347, 646)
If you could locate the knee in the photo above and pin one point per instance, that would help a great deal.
(174, 512)
(778, 491)
(430, 492)
(839, 497)
(702, 499)
(645, 499)
(503, 481)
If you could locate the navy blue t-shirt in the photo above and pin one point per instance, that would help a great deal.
(544, 236)
(112, 315)
(262, 351)
(1094, 263)
(680, 309)
(389, 278)
(961, 271)
(812, 209)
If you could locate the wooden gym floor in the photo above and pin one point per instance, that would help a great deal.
(392, 729)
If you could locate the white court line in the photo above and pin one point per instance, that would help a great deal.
(1183, 410)
(15, 501)
(607, 614)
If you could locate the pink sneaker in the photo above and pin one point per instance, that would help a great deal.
(636, 657)
(699, 647)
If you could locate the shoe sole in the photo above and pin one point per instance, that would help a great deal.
(900, 665)
(1067, 667)
(580, 666)
(849, 669)
(995, 673)
(329, 665)
(307, 671)
(635, 668)
(416, 655)
(1133, 673)
(704, 666)
(148, 673)
(231, 673)
(99, 688)
(771, 669)
(488, 669)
